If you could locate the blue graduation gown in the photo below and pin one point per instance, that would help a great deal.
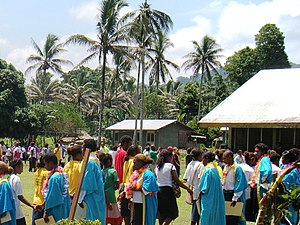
(57, 198)
(212, 198)
(265, 169)
(292, 181)
(7, 202)
(240, 185)
(150, 185)
(94, 197)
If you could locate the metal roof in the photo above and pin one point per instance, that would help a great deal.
(148, 124)
(269, 99)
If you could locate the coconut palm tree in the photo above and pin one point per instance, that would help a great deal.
(146, 23)
(42, 89)
(46, 57)
(110, 33)
(203, 60)
(158, 64)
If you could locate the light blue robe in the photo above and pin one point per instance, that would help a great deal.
(150, 185)
(265, 170)
(57, 199)
(94, 197)
(7, 202)
(240, 185)
(292, 181)
(212, 198)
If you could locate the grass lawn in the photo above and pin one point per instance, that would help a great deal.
(28, 189)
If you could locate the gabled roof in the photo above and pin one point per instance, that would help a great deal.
(268, 99)
(148, 124)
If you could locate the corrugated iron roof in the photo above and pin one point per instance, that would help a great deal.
(268, 99)
(148, 124)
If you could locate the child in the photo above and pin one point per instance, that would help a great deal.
(111, 184)
(16, 185)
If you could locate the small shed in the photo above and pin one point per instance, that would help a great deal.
(159, 132)
(264, 109)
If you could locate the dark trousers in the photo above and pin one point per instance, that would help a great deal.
(230, 220)
(137, 218)
(21, 221)
(32, 162)
(36, 215)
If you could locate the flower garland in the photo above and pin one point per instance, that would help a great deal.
(58, 169)
(133, 183)
(227, 169)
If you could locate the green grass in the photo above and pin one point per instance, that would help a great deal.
(28, 190)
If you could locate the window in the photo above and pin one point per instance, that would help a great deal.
(116, 137)
(150, 137)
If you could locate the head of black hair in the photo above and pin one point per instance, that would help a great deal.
(50, 157)
(91, 144)
(15, 163)
(209, 156)
(196, 152)
(125, 139)
(40, 162)
(106, 158)
(262, 147)
(131, 151)
(162, 158)
(274, 157)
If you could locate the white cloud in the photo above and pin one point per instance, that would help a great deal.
(86, 11)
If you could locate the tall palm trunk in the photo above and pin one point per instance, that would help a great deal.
(200, 96)
(102, 96)
(137, 105)
(142, 97)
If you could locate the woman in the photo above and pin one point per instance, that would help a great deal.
(7, 201)
(166, 173)
(142, 188)
(73, 167)
(211, 193)
(291, 182)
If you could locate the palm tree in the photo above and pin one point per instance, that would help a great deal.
(42, 89)
(110, 33)
(203, 60)
(46, 57)
(158, 64)
(146, 23)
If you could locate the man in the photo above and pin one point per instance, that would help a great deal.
(92, 189)
(55, 190)
(262, 176)
(274, 158)
(239, 158)
(32, 151)
(103, 148)
(234, 184)
(125, 141)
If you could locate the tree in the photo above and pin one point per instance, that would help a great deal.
(46, 57)
(203, 59)
(146, 23)
(270, 48)
(110, 33)
(158, 64)
(155, 106)
(12, 97)
(241, 66)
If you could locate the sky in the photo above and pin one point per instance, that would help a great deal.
(232, 23)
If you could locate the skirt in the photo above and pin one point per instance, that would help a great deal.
(113, 216)
(167, 205)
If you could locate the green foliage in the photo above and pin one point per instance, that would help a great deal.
(270, 48)
(242, 66)
(291, 197)
(78, 222)
(155, 107)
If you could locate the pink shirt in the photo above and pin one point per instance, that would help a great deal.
(119, 162)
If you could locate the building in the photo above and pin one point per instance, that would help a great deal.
(161, 133)
(264, 109)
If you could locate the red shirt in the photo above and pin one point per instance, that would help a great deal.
(119, 162)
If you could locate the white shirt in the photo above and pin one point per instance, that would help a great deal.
(275, 169)
(248, 171)
(16, 185)
(192, 176)
(229, 185)
(164, 176)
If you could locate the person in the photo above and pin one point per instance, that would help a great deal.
(92, 189)
(191, 175)
(211, 195)
(111, 184)
(153, 155)
(55, 190)
(45, 150)
(166, 172)
(125, 142)
(234, 184)
(262, 176)
(40, 176)
(142, 188)
(127, 172)
(73, 167)
(291, 182)
(4, 157)
(103, 148)
(248, 171)
(239, 158)
(7, 201)
(176, 159)
(188, 157)
(146, 151)
(32, 151)
(57, 153)
(112, 151)
(16, 185)
(274, 158)
(17, 150)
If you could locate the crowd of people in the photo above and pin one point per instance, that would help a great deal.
(135, 186)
